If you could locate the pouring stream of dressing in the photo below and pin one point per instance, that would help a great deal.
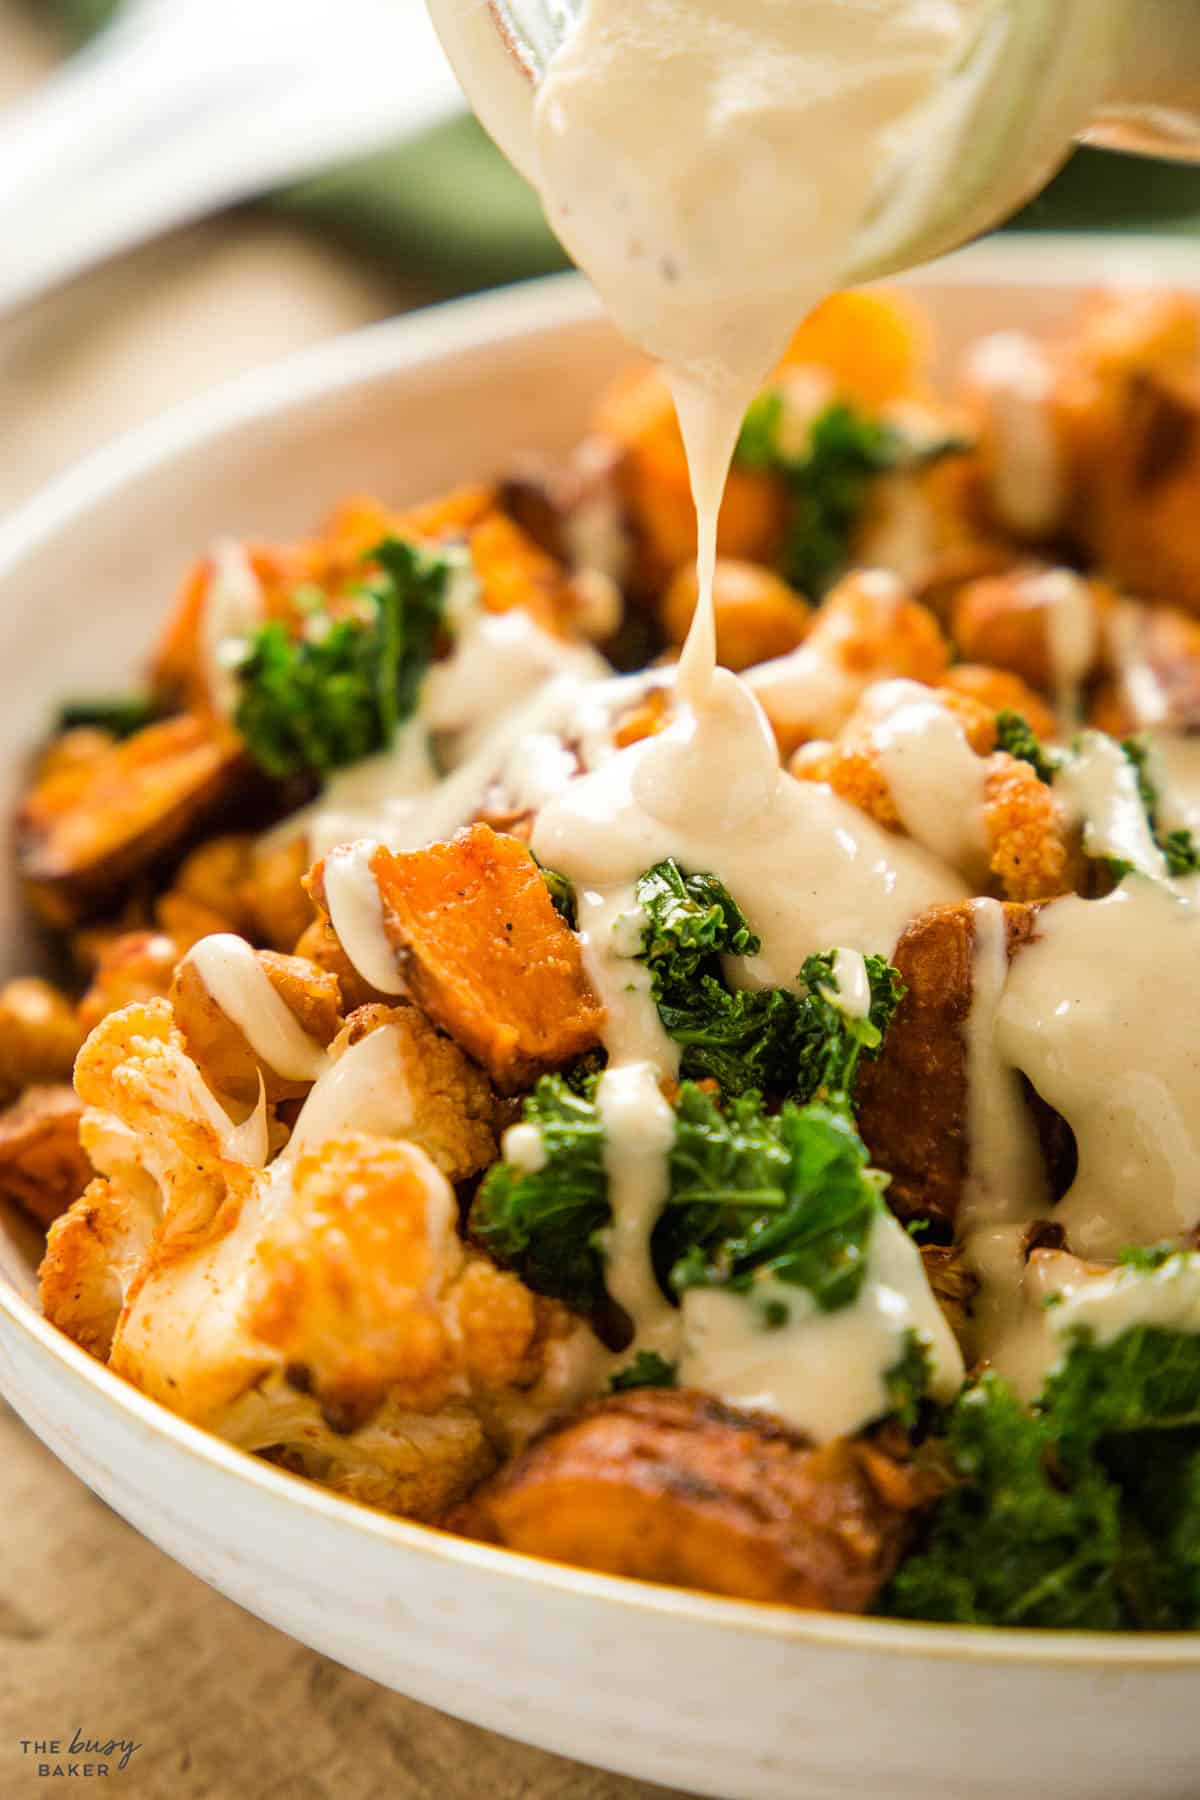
(712, 168)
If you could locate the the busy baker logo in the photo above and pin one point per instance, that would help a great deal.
(78, 1757)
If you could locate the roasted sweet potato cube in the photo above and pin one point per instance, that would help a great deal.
(912, 1103)
(675, 1487)
(480, 948)
(219, 1047)
(43, 1167)
(85, 834)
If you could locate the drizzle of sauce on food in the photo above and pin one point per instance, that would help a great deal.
(240, 986)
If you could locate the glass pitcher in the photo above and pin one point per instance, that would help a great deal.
(1121, 73)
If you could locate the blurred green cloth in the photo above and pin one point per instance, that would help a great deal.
(448, 209)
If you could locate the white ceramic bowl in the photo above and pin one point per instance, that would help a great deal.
(709, 1695)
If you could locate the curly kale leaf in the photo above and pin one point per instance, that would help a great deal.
(648, 1369)
(775, 1040)
(788, 1194)
(1146, 1380)
(1013, 1543)
(1015, 734)
(1179, 846)
(689, 920)
(828, 482)
(329, 690)
(1083, 1511)
(743, 1038)
(121, 715)
(562, 895)
(907, 1381)
(833, 1041)
(544, 1221)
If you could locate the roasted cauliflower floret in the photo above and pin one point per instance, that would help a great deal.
(323, 1308)
(450, 1109)
(93, 1254)
(135, 1075)
(1020, 844)
(345, 1286)
(319, 944)
(412, 1463)
(868, 630)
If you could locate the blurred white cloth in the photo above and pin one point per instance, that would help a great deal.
(186, 105)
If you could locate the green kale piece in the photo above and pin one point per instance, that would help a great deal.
(647, 1370)
(1179, 846)
(1014, 1542)
(773, 1040)
(741, 1037)
(907, 1381)
(543, 1222)
(1160, 1482)
(1148, 1256)
(1146, 1380)
(119, 714)
(1083, 1511)
(832, 1041)
(788, 1194)
(689, 919)
(1017, 736)
(828, 482)
(754, 1194)
(333, 690)
(562, 895)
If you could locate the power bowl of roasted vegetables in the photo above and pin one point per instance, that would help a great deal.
(646, 1269)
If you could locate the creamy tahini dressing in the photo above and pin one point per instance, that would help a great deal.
(355, 911)
(1098, 786)
(366, 1088)
(826, 1372)
(639, 1129)
(1126, 1299)
(1004, 1190)
(936, 780)
(240, 986)
(1072, 636)
(655, 130)
(850, 991)
(1012, 376)
(1100, 1013)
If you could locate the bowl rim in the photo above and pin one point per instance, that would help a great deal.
(388, 348)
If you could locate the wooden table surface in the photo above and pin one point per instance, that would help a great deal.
(98, 1630)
